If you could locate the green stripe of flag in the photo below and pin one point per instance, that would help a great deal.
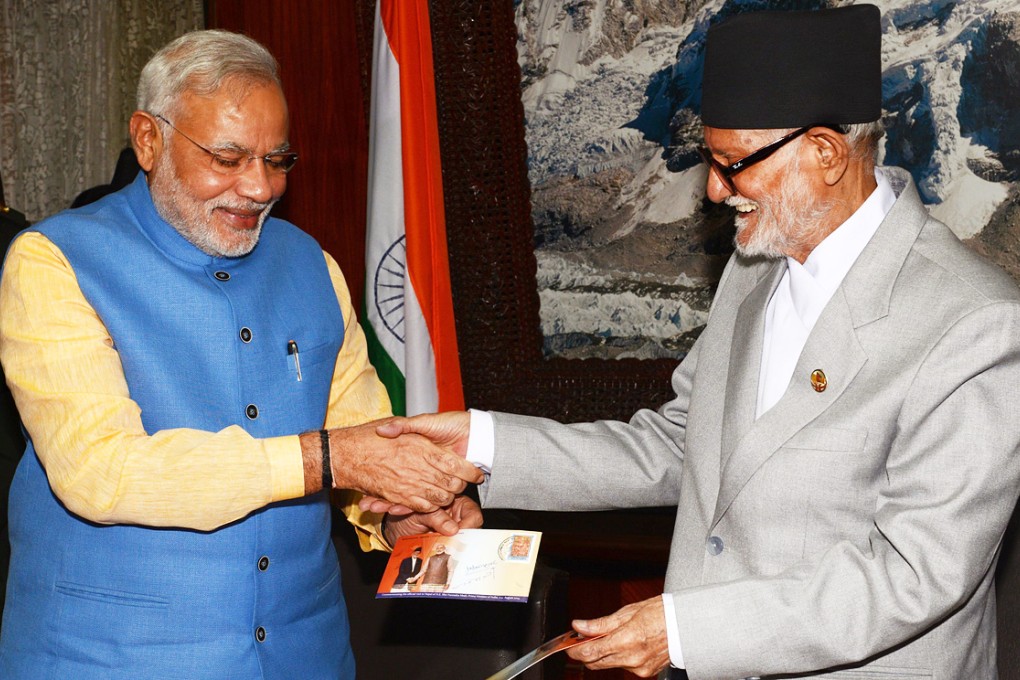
(388, 371)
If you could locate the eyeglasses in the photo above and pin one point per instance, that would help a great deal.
(726, 172)
(231, 162)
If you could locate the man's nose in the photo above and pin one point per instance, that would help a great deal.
(257, 183)
(715, 188)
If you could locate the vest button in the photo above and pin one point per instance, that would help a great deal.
(260, 634)
(245, 334)
(252, 411)
(222, 276)
(714, 545)
(263, 563)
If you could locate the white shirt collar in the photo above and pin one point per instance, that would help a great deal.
(805, 290)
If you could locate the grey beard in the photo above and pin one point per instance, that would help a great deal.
(186, 216)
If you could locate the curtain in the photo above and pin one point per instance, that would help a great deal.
(68, 73)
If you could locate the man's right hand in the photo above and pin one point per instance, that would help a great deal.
(448, 429)
(445, 429)
(408, 470)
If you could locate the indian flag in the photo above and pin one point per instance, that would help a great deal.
(408, 303)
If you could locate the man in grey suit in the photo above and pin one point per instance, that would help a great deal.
(842, 446)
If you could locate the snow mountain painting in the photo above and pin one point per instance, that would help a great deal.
(629, 251)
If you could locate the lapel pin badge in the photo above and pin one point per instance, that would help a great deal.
(818, 380)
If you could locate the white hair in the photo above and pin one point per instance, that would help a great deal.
(200, 62)
(863, 139)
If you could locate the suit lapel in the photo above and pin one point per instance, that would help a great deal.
(745, 359)
(832, 347)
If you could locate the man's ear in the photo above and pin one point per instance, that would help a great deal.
(146, 139)
(831, 153)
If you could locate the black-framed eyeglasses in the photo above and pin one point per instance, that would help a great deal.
(726, 172)
(234, 162)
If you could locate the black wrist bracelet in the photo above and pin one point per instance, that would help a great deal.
(327, 469)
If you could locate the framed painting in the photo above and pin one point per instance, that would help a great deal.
(491, 236)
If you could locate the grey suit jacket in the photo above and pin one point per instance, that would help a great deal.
(846, 533)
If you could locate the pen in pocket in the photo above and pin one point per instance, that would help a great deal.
(293, 351)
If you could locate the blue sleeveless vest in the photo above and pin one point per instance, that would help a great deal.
(203, 342)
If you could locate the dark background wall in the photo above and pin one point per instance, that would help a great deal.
(322, 47)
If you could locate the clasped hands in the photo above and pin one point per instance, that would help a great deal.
(633, 638)
(414, 473)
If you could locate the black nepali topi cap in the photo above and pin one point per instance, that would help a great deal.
(790, 69)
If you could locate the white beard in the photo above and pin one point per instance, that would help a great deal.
(786, 223)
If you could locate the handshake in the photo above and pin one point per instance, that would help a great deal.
(411, 468)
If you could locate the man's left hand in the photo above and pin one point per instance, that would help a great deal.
(463, 513)
(635, 639)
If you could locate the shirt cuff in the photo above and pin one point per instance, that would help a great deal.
(287, 469)
(481, 449)
(676, 656)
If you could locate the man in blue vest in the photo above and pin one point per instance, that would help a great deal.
(192, 381)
